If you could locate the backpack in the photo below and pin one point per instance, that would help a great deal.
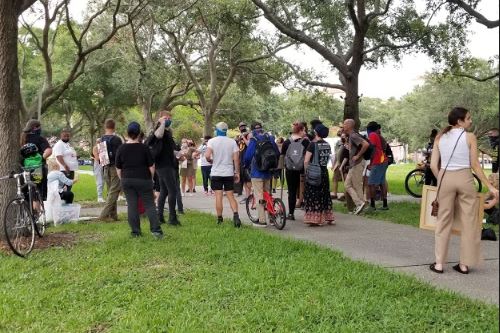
(265, 155)
(368, 154)
(34, 164)
(294, 158)
(387, 151)
(108, 139)
(155, 145)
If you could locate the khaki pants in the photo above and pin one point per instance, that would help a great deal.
(354, 183)
(457, 201)
(110, 209)
(259, 185)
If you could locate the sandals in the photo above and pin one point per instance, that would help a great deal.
(433, 268)
(459, 269)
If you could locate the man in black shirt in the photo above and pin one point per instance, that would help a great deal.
(167, 168)
(113, 142)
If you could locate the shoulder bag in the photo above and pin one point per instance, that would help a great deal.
(313, 172)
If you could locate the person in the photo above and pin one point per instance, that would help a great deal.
(491, 203)
(32, 133)
(245, 180)
(429, 176)
(206, 167)
(294, 171)
(339, 167)
(494, 143)
(278, 173)
(135, 168)
(66, 155)
(167, 168)
(457, 151)
(98, 172)
(354, 182)
(378, 166)
(261, 179)
(317, 201)
(223, 153)
(187, 166)
(57, 188)
(113, 142)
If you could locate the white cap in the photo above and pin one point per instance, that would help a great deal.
(222, 126)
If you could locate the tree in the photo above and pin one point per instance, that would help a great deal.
(215, 44)
(352, 34)
(10, 93)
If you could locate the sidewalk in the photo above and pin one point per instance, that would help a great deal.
(397, 247)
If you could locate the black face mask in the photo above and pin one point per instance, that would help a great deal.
(65, 140)
(493, 140)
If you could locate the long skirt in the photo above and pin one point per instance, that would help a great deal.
(317, 201)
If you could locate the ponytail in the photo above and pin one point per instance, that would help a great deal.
(456, 114)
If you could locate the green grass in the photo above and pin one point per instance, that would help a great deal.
(208, 278)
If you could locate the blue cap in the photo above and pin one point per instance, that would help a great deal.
(134, 128)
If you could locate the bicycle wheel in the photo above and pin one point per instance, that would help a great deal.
(280, 214)
(415, 182)
(252, 211)
(38, 212)
(19, 228)
(477, 183)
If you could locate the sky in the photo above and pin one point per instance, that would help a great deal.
(392, 79)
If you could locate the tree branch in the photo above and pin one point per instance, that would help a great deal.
(22, 5)
(475, 78)
(480, 18)
(299, 76)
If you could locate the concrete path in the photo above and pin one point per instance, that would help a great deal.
(397, 247)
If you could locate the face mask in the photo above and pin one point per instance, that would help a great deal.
(168, 123)
(493, 140)
(37, 131)
(65, 140)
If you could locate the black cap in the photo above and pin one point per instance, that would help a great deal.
(373, 126)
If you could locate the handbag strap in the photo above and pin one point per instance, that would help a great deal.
(315, 160)
(449, 160)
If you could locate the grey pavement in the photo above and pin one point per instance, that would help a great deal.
(401, 248)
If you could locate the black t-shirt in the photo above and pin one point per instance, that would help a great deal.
(166, 158)
(113, 142)
(324, 151)
(134, 159)
(40, 142)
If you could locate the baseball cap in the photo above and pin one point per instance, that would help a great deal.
(222, 126)
(30, 124)
(134, 128)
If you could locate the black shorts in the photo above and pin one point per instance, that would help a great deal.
(245, 175)
(222, 183)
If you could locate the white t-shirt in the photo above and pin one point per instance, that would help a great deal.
(223, 149)
(203, 149)
(68, 154)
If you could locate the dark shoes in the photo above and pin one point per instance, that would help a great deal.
(174, 223)
(290, 217)
(459, 269)
(433, 268)
(237, 222)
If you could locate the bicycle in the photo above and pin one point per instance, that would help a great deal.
(416, 179)
(274, 207)
(24, 215)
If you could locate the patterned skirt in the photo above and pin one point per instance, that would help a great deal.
(317, 201)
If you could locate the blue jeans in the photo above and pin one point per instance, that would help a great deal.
(205, 172)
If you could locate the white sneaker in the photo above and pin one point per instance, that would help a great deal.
(360, 208)
(183, 194)
(100, 200)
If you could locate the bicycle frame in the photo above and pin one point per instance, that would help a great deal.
(268, 198)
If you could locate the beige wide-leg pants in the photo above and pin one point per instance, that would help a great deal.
(457, 201)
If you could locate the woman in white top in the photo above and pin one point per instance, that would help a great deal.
(457, 151)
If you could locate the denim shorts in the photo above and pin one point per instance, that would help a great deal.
(377, 174)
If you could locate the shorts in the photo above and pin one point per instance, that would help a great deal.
(245, 175)
(377, 174)
(222, 183)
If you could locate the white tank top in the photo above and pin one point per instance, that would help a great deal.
(461, 157)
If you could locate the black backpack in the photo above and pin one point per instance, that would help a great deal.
(112, 149)
(265, 157)
(368, 154)
(155, 145)
(387, 151)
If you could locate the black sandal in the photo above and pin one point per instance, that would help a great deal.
(459, 269)
(433, 268)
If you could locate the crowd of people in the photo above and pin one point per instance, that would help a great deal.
(153, 170)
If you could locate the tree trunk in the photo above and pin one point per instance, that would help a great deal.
(148, 117)
(208, 129)
(10, 98)
(351, 102)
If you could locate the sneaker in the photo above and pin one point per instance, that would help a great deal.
(290, 217)
(174, 223)
(162, 220)
(206, 193)
(243, 201)
(134, 235)
(183, 194)
(181, 212)
(100, 200)
(360, 208)
(237, 222)
(259, 225)
(194, 190)
(157, 235)
(188, 191)
(384, 208)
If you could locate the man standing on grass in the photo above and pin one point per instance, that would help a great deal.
(223, 153)
(113, 142)
(66, 156)
(354, 181)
